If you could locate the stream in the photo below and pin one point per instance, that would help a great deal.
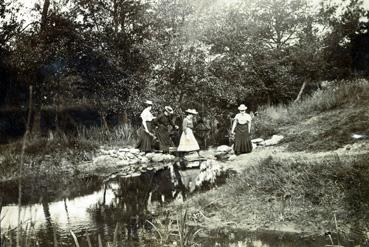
(97, 205)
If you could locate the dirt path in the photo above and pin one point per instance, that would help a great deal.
(243, 161)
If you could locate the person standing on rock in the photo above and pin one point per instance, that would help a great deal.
(241, 129)
(146, 135)
(162, 122)
(188, 141)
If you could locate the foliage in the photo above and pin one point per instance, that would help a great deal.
(199, 54)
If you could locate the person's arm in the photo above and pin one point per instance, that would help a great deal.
(173, 122)
(157, 121)
(184, 126)
(234, 125)
(250, 126)
(144, 117)
(145, 126)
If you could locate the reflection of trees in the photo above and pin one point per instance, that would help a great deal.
(129, 206)
(45, 200)
(56, 187)
(133, 194)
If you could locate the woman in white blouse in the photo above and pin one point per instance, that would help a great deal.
(146, 135)
(241, 130)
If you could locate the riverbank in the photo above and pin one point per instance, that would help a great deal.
(318, 194)
(313, 183)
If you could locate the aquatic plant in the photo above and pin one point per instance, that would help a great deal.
(175, 230)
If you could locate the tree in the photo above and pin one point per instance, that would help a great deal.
(342, 24)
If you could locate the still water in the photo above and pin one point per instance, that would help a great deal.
(129, 201)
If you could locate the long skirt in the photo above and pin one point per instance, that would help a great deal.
(145, 141)
(163, 137)
(188, 142)
(242, 142)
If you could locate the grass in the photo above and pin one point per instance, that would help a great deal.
(121, 135)
(324, 120)
(308, 194)
(61, 148)
(172, 230)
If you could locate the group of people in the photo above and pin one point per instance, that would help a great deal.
(159, 127)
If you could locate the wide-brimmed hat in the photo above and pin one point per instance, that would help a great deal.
(169, 109)
(148, 102)
(242, 107)
(192, 111)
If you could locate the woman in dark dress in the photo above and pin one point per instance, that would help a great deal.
(241, 130)
(162, 122)
(146, 135)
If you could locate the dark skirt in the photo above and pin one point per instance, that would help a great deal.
(242, 142)
(163, 137)
(145, 141)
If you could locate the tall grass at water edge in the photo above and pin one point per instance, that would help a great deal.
(121, 135)
(86, 140)
(169, 230)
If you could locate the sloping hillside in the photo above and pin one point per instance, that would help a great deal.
(315, 182)
(326, 120)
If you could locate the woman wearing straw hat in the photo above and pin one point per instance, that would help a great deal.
(162, 123)
(146, 135)
(241, 128)
(188, 141)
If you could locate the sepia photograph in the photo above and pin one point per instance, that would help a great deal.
(184, 123)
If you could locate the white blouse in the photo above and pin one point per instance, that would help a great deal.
(242, 118)
(146, 115)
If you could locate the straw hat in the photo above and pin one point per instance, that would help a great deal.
(148, 102)
(169, 109)
(242, 107)
(192, 111)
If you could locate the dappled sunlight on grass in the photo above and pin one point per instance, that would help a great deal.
(324, 120)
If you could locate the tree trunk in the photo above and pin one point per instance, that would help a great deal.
(125, 117)
(45, 11)
(36, 123)
(104, 124)
(300, 93)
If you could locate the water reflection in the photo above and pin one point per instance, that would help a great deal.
(127, 200)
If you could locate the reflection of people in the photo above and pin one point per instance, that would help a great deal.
(241, 130)
(146, 135)
(162, 122)
(188, 141)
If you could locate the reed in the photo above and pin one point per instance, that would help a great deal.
(21, 164)
(99, 240)
(88, 240)
(74, 238)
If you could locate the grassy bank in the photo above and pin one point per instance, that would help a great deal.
(290, 194)
(324, 120)
(312, 191)
(60, 154)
